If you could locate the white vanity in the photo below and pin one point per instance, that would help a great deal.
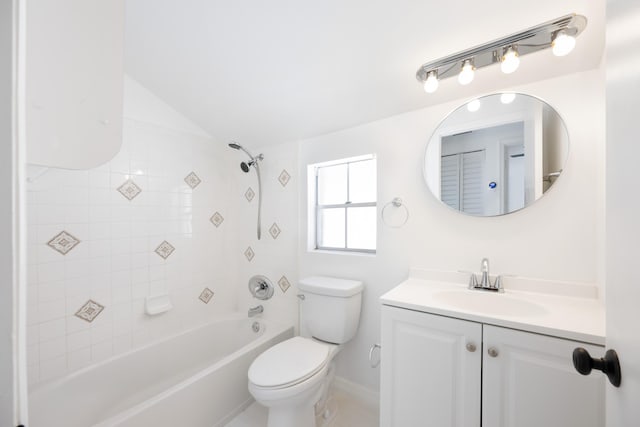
(452, 356)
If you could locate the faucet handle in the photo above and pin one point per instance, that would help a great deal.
(498, 284)
(473, 281)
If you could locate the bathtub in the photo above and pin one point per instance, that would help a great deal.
(197, 378)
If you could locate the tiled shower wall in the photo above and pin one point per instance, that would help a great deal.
(275, 254)
(154, 220)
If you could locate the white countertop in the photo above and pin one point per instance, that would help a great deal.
(567, 316)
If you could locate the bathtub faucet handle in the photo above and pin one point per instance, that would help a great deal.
(254, 311)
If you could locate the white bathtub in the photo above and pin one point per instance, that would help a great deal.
(196, 379)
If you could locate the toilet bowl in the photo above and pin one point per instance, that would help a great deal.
(292, 376)
(289, 379)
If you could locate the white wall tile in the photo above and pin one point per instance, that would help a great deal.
(53, 329)
(79, 359)
(53, 348)
(53, 368)
(79, 340)
(114, 264)
(51, 310)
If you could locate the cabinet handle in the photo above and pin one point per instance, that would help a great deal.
(471, 347)
(371, 350)
(493, 352)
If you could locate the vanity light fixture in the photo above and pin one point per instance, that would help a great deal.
(431, 83)
(510, 60)
(559, 34)
(562, 43)
(467, 72)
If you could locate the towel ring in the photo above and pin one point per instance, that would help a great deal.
(396, 202)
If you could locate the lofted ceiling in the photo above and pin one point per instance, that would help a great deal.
(266, 72)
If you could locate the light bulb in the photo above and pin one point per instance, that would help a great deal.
(507, 98)
(431, 84)
(510, 60)
(473, 106)
(466, 74)
(562, 44)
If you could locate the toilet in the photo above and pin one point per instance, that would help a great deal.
(293, 376)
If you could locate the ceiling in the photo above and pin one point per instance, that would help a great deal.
(267, 72)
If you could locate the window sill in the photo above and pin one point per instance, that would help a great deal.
(338, 252)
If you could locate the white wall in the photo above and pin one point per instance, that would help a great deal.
(556, 238)
(114, 264)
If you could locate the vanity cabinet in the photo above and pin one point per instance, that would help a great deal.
(442, 371)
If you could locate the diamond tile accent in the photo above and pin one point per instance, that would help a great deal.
(89, 311)
(249, 194)
(284, 284)
(274, 230)
(284, 177)
(63, 242)
(206, 295)
(249, 254)
(129, 189)
(216, 219)
(165, 249)
(192, 180)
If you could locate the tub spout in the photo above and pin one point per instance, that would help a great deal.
(254, 311)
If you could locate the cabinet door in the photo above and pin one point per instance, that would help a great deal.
(429, 377)
(531, 382)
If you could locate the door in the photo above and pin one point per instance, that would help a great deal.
(12, 320)
(431, 370)
(529, 381)
(622, 275)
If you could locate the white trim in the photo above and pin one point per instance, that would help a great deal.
(360, 393)
(19, 219)
(335, 162)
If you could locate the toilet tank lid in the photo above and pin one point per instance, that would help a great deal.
(331, 286)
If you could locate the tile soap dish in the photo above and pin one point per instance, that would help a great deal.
(157, 305)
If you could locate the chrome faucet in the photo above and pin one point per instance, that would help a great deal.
(484, 267)
(485, 280)
(254, 311)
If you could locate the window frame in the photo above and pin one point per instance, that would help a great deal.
(318, 208)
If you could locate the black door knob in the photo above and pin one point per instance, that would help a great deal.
(609, 364)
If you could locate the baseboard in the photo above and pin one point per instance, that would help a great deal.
(364, 395)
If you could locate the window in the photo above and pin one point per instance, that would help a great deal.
(345, 204)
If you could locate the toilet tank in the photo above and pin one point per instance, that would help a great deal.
(330, 308)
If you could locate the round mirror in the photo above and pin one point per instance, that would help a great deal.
(496, 154)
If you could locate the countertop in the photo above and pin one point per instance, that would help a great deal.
(570, 315)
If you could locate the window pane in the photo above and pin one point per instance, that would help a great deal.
(332, 185)
(362, 181)
(331, 228)
(361, 226)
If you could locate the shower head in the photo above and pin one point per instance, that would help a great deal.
(254, 160)
(240, 147)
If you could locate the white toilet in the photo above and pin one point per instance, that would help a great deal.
(291, 377)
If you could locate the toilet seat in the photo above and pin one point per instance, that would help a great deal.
(288, 363)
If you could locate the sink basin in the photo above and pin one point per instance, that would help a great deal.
(489, 303)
